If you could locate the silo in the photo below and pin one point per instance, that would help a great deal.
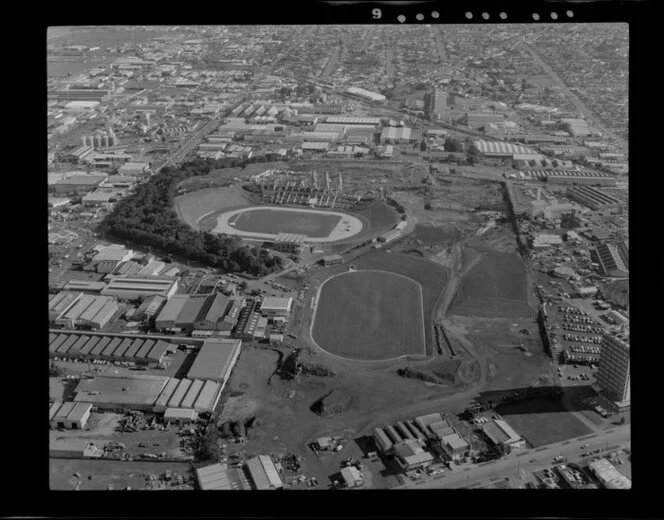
(105, 140)
(112, 141)
(97, 140)
(84, 140)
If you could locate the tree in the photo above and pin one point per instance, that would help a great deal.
(452, 145)
(54, 370)
(423, 146)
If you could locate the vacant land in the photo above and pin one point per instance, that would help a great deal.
(370, 315)
(104, 473)
(193, 206)
(542, 421)
(311, 223)
(495, 285)
(514, 359)
(432, 277)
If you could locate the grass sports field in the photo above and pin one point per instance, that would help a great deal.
(370, 315)
(432, 277)
(312, 224)
(496, 285)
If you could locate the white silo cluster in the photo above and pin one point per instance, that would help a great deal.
(100, 139)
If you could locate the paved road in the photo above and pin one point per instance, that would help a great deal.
(542, 458)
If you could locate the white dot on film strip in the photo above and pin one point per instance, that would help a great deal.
(554, 16)
(485, 16)
(503, 16)
(535, 16)
(469, 15)
(435, 14)
(419, 17)
(570, 14)
(401, 18)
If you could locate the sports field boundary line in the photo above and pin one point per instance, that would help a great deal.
(315, 311)
(225, 215)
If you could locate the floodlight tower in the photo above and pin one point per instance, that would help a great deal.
(327, 180)
(341, 182)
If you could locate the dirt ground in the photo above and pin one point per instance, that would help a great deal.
(286, 423)
(103, 426)
(498, 342)
(104, 473)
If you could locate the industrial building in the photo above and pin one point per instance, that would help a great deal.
(212, 312)
(135, 287)
(114, 253)
(276, 309)
(351, 477)
(396, 135)
(366, 94)
(264, 474)
(72, 416)
(499, 149)
(410, 454)
(200, 312)
(79, 184)
(381, 439)
(60, 302)
(73, 448)
(332, 260)
(593, 198)
(349, 120)
(86, 310)
(613, 376)
(247, 321)
(503, 436)
(111, 347)
(454, 446)
(546, 240)
(613, 260)
(289, 242)
(150, 307)
(215, 360)
(180, 415)
(609, 475)
(220, 477)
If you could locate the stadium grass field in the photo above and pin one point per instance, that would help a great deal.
(310, 223)
(431, 277)
(369, 315)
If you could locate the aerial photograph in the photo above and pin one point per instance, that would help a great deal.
(338, 257)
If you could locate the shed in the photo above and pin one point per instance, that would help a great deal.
(263, 473)
(208, 397)
(351, 476)
(180, 415)
(166, 393)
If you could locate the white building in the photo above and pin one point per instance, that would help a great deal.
(503, 436)
(613, 376)
(366, 94)
(277, 309)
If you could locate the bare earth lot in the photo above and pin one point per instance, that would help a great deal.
(370, 315)
(494, 285)
(118, 474)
